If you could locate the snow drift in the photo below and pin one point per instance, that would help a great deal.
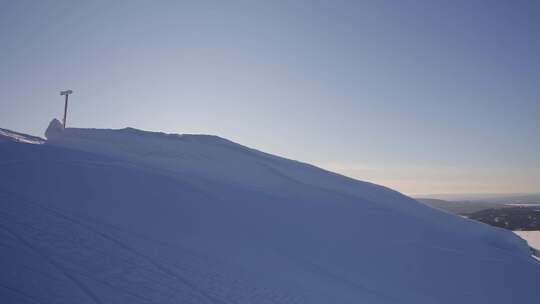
(128, 216)
(11, 136)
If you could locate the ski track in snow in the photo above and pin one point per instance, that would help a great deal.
(59, 266)
(80, 277)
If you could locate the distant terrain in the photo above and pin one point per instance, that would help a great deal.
(518, 198)
(459, 207)
(517, 213)
(512, 218)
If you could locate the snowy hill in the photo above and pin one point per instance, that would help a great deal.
(128, 216)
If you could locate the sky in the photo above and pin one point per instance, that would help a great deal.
(421, 96)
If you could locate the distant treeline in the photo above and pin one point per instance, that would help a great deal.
(512, 218)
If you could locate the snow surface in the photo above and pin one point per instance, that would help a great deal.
(533, 238)
(8, 135)
(128, 216)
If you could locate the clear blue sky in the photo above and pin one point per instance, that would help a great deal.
(421, 96)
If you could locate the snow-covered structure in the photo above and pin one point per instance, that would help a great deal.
(128, 216)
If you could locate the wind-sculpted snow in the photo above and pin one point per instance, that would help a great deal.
(127, 216)
(11, 136)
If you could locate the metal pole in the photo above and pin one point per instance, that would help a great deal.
(65, 110)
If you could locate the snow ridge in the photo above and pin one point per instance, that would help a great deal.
(12, 136)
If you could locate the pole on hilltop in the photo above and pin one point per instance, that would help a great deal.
(65, 93)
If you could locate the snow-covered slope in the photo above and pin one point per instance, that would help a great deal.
(127, 216)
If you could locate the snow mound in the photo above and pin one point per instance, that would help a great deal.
(12, 136)
(128, 216)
